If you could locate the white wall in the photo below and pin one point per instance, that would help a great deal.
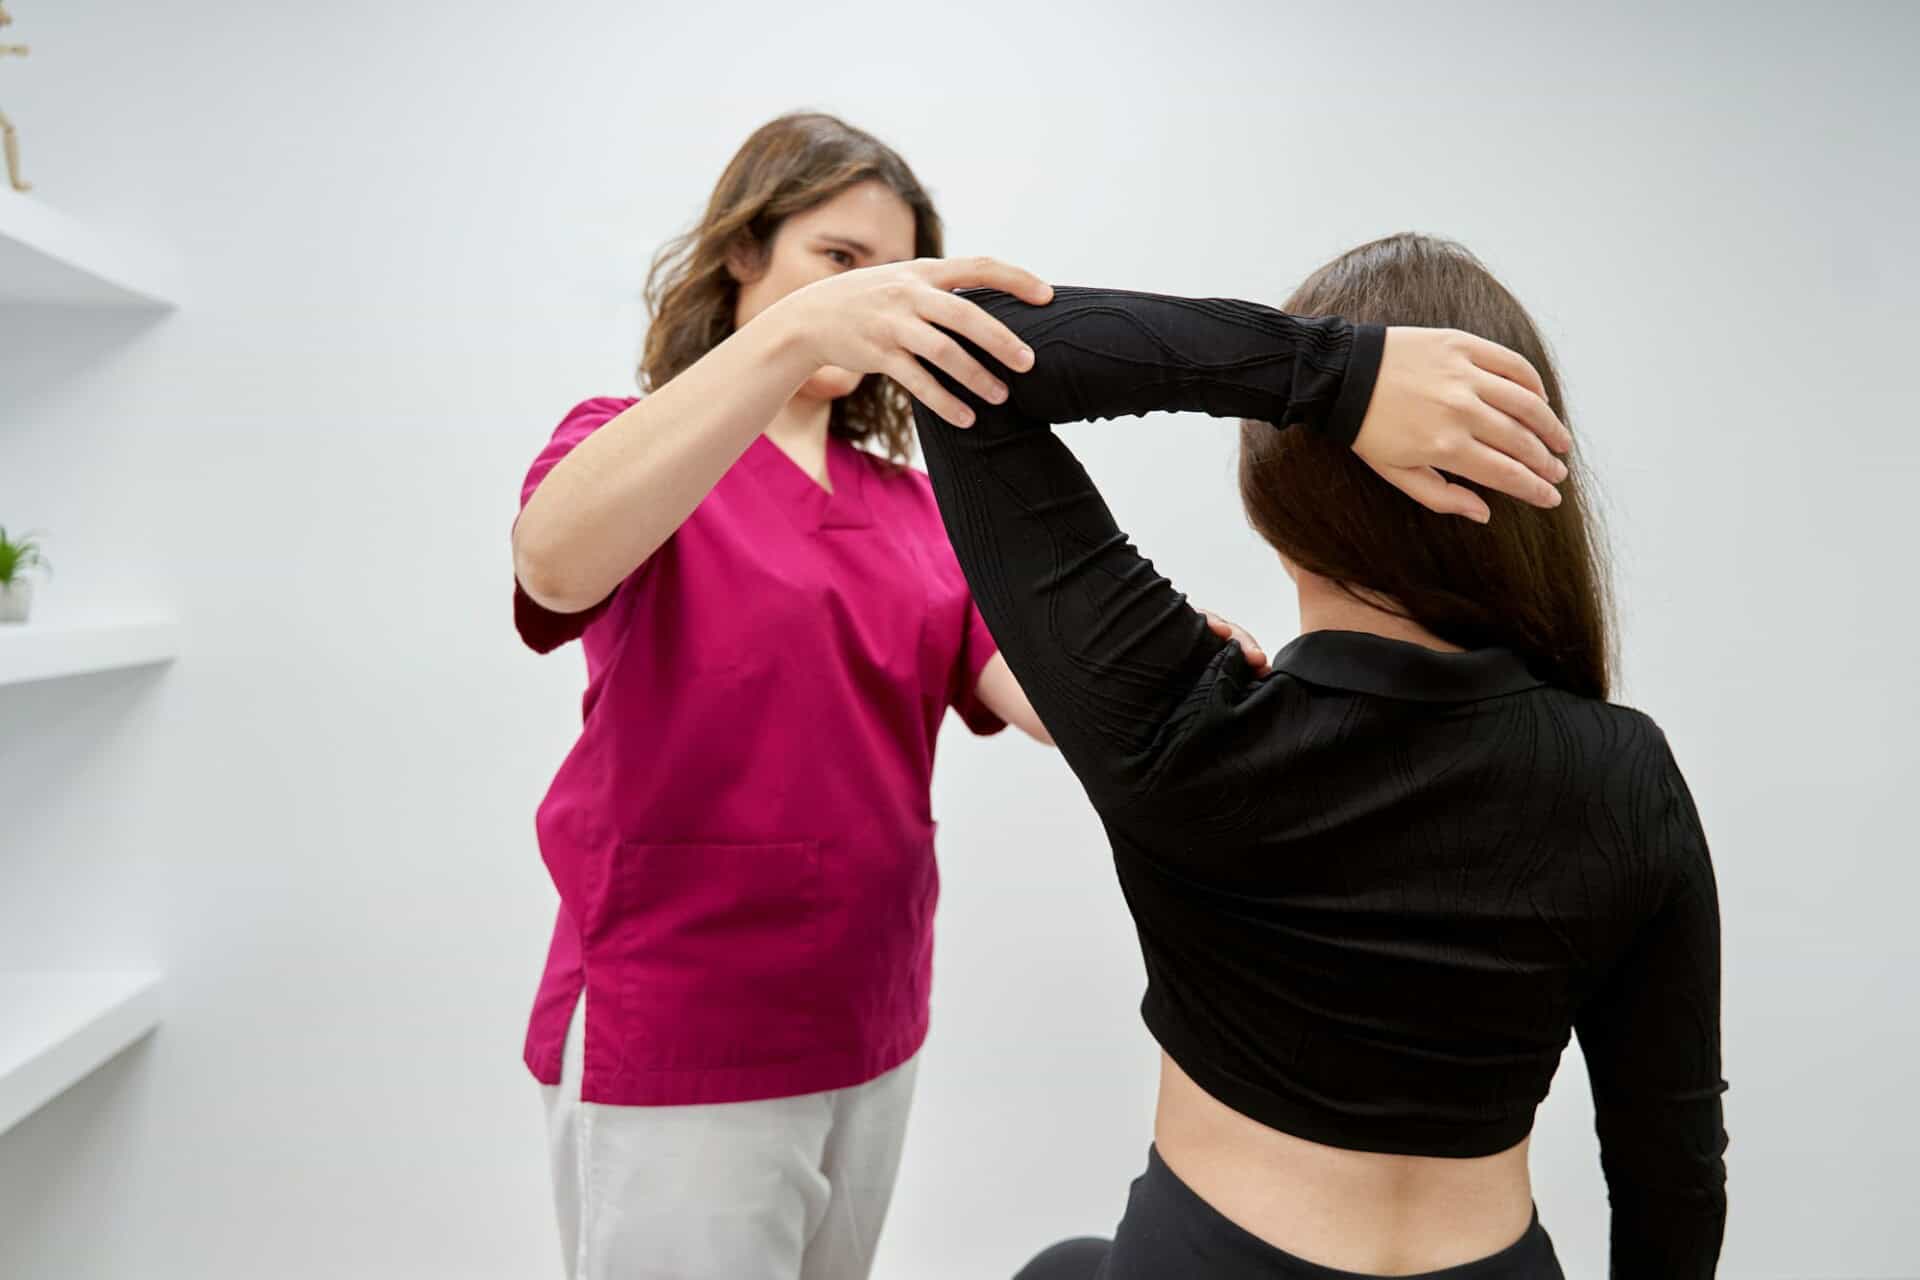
(414, 232)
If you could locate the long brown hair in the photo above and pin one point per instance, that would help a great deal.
(788, 166)
(1534, 581)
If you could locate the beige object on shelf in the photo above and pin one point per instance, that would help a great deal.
(16, 599)
(9, 140)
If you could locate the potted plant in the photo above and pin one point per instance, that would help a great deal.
(17, 555)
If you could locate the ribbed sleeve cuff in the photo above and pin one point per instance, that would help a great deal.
(1356, 389)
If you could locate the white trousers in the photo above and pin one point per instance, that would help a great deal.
(779, 1189)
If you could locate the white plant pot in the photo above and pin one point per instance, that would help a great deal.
(16, 600)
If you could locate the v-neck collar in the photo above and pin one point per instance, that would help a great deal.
(812, 506)
(1366, 663)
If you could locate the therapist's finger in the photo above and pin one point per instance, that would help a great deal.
(973, 323)
(922, 386)
(931, 344)
(990, 273)
(1255, 655)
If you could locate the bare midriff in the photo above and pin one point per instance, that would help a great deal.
(1372, 1212)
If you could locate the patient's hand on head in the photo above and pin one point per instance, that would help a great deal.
(1450, 402)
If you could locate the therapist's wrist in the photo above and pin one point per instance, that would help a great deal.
(786, 339)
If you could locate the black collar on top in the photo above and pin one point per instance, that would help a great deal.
(1367, 663)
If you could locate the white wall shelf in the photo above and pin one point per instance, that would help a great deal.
(49, 257)
(55, 1028)
(48, 650)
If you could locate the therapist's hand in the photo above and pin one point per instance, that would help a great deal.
(1256, 656)
(1449, 403)
(880, 319)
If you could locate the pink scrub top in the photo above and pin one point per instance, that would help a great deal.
(742, 837)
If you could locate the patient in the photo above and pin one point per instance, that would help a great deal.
(1378, 886)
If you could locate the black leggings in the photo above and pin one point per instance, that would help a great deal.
(1169, 1231)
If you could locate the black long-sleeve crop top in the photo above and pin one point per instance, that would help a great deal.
(1377, 889)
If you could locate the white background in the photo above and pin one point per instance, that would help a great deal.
(414, 233)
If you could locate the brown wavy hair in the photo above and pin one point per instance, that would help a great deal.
(1535, 581)
(788, 166)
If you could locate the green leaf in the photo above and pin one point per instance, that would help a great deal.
(17, 555)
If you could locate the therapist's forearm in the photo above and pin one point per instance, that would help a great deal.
(624, 490)
(1001, 693)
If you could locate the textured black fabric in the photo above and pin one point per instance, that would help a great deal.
(1377, 889)
(1169, 1231)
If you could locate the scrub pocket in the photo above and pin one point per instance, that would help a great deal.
(710, 953)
